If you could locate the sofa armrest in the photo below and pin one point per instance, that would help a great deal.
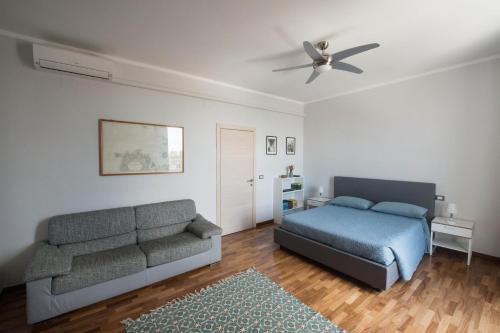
(48, 261)
(202, 228)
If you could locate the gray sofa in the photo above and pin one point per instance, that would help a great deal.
(96, 255)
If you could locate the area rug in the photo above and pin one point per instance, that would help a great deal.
(247, 302)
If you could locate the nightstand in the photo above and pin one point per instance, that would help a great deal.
(317, 202)
(454, 234)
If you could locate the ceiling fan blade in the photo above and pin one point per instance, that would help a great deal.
(312, 51)
(293, 67)
(352, 51)
(346, 67)
(313, 76)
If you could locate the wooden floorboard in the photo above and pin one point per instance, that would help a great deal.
(443, 295)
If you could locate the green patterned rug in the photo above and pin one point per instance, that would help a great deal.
(247, 302)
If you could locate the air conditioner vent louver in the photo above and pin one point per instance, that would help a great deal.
(54, 59)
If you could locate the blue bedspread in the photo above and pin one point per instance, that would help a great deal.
(379, 237)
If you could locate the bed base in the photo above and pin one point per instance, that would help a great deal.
(374, 274)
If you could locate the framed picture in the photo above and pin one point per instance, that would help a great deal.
(271, 145)
(130, 148)
(290, 145)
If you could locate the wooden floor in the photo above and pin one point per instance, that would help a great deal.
(443, 296)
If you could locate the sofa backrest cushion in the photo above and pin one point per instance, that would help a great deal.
(164, 213)
(163, 219)
(144, 235)
(87, 226)
(97, 245)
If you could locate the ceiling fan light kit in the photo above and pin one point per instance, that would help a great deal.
(324, 62)
(322, 68)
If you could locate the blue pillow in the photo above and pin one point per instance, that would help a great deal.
(352, 202)
(400, 208)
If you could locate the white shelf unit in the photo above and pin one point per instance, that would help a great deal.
(450, 242)
(280, 185)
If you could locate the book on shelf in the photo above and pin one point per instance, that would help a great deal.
(290, 204)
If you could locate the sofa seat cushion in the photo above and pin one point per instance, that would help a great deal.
(171, 248)
(94, 268)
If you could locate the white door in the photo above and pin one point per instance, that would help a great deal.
(236, 172)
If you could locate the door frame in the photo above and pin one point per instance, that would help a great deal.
(220, 127)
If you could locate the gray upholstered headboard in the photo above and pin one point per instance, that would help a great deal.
(377, 190)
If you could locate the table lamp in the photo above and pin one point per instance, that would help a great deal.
(320, 190)
(451, 210)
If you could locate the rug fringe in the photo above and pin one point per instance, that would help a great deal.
(127, 321)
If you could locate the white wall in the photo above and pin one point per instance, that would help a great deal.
(443, 128)
(49, 150)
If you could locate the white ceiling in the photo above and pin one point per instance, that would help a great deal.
(241, 41)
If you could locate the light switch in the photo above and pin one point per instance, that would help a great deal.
(261, 176)
(440, 197)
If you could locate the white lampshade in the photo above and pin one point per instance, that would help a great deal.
(451, 209)
(320, 190)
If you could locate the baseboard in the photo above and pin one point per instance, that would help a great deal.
(264, 223)
(486, 256)
(474, 254)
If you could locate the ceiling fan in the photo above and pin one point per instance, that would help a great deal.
(323, 62)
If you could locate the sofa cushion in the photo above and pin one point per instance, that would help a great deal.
(202, 228)
(172, 248)
(96, 245)
(94, 268)
(144, 235)
(81, 227)
(164, 213)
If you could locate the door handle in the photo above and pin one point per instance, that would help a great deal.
(250, 181)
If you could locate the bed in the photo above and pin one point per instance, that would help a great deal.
(375, 248)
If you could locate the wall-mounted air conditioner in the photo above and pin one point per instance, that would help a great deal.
(55, 59)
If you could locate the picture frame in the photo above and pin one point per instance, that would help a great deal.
(136, 148)
(271, 145)
(290, 145)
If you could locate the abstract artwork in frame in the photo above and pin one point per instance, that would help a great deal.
(271, 145)
(290, 145)
(132, 148)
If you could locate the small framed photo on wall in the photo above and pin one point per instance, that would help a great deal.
(271, 145)
(290, 145)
